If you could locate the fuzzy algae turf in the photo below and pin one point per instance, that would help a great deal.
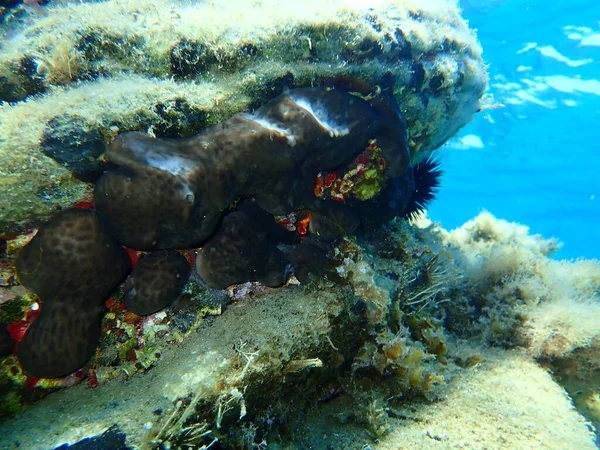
(74, 77)
(378, 360)
(528, 410)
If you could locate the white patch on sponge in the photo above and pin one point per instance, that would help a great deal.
(273, 127)
(322, 117)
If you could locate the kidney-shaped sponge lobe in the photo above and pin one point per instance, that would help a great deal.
(72, 264)
(240, 252)
(150, 198)
(156, 282)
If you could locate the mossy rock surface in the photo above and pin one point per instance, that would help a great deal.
(369, 361)
(173, 68)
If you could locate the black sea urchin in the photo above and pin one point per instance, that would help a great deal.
(427, 176)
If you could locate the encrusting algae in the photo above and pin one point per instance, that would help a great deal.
(241, 256)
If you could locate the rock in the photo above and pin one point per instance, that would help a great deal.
(152, 62)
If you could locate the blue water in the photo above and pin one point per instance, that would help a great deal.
(540, 163)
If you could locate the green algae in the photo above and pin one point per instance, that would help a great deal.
(14, 310)
(370, 186)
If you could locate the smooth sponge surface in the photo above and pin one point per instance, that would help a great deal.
(72, 264)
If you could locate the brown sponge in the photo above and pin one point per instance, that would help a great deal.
(171, 193)
(152, 200)
(308, 258)
(72, 264)
(240, 252)
(330, 220)
(156, 282)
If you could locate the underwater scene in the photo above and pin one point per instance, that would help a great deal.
(262, 224)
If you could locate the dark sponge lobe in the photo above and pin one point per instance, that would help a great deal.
(330, 221)
(238, 253)
(61, 340)
(156, 282)
(307, 259)
(71, 255)
(171, 193)
(152, 199)
(72, 264)
(111, 439)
